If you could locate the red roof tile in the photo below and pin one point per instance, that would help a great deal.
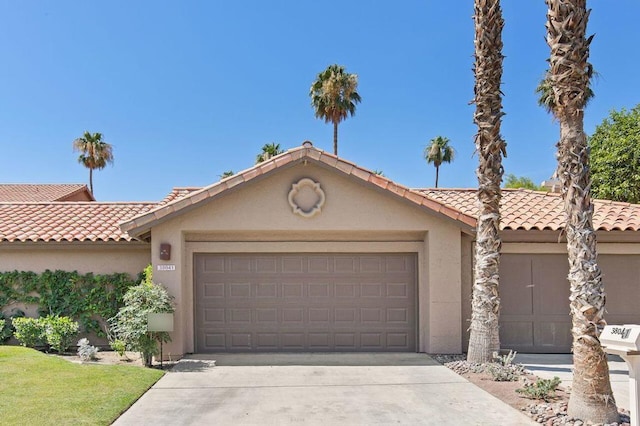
(28, 192)
(525, 209)
(306, 152)
(67, 221)
(177, 193)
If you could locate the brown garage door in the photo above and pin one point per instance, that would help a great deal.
(311, 302)
(535, 299)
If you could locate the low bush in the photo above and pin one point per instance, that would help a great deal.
(544, 389)
(7, 329)
(86, 352)
(504, 370)
(55, 331)
(30, 332)
(59, 331)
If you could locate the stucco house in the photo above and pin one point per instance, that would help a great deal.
(310, 252)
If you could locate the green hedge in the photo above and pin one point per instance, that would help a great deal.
(87, 298)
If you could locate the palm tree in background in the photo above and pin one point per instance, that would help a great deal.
(226, 174)
(95, 153)
(484, 339)
(570, 73)
(437, 152)
(268, 150)
(334, 97)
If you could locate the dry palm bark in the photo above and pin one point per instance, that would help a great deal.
(484, 339)
(591, 397)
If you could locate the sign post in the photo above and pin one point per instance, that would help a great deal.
(160, 322)
(624, 340)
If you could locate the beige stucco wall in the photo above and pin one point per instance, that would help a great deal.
(98, 258)
(256, 217)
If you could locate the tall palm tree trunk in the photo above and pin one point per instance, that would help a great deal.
(91, 180)
(437, 172)
(591, 397)
(484, 340)
(335, 138)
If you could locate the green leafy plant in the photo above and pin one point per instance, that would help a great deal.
(59, 331)
(544, 389)
(30, 332)
(130, 323)
(119, 346)
(6, 331)
(90, 299)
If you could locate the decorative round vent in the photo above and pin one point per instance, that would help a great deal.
(306, 198)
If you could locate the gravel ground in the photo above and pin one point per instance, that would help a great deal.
(546, 413)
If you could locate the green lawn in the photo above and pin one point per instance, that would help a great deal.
(43, 389)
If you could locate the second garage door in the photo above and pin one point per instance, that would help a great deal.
(311, 302)
(535, 299)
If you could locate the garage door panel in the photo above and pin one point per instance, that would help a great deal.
(238, 264)
(319, 264)
(553, 334)
(516, 286)
(312, 302)
(621, 277)
(516, 335)
(552, 288)
(548, 314)
(347, 264)
(292, 265)
(371, 264)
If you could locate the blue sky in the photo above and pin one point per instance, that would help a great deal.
(186, 90)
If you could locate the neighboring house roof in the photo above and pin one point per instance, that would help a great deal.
(143, 223)
(523, 209)
(94, 221)
(178, 192)
(28, 192)
(67, 221)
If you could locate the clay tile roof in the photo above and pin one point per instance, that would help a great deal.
(525, 209)
(67, 221)
(177, 193)
(27, 192)
(306, 152)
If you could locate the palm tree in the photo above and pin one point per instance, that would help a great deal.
(94, 153)
(268, 150)
(334, 97)
(226, 174)
(591, 398)
(437, 152)
(484, 339)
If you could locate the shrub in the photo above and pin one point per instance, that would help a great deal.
(29, 331)
(119, 346)
(542, 389)
(59, 331)
(130, 323)
(86, 352)
(89, 299)
(53, 330)
(503, 369)
(7, 329)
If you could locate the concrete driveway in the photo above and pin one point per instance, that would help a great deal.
(328, 389)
